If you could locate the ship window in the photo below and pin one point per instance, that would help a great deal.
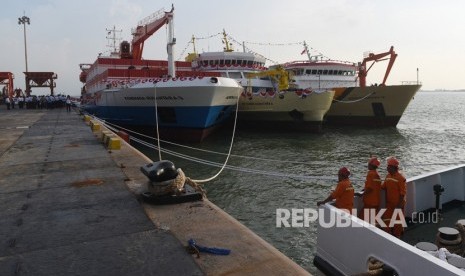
(320, 72)
(239, 62)
(330, 72)
(325, 72)
(339, 72)
(313, 72)
(227, 62)
(233, 62)
(221, 62)
(249, 63)
(212, 62)
(205, 62)
(308, 71)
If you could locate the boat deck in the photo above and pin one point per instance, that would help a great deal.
(427, 227)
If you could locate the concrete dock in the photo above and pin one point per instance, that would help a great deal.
(69, 206)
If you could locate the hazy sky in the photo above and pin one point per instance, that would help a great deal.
(426, 34)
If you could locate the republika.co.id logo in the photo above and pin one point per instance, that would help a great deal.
(304, 217)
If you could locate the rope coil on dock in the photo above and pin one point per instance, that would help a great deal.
(175, 186)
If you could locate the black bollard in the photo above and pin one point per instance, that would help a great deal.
(438, 190)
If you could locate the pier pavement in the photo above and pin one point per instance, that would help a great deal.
(68, 206)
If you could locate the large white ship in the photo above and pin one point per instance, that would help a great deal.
(268, 100)
(354, 102)
(126, 90)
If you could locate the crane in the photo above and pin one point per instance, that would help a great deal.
(363, 71)
(277, 74)
(147, 27)
(6, 79)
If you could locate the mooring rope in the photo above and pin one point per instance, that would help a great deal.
(156, 120)
(230, 148)
(224, 165)
(354, 101)
(231, 167)
(115, 128)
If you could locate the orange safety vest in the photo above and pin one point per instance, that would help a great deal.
(344, 195)
(395, 186)
(373, 181)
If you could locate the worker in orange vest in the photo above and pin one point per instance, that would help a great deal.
(396, 191)
(371, 191)
(344, 192)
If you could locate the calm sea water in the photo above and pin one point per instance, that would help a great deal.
(294, 170)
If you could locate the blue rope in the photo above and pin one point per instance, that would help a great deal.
(212, 250)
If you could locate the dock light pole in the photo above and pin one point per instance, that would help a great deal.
(23, 20)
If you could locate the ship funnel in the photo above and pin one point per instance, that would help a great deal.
(125, 49)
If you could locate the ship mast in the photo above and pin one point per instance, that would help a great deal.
(309, 56)
(228, 46)
(171, 43)
(307, 51)
(111, 36)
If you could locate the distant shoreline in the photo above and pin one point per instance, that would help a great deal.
(443, 90)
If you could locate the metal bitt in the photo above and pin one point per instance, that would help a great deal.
(438, 190)
(160, 171)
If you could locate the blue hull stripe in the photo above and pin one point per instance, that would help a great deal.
(173, 117)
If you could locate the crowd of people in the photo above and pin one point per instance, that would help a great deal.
(38, 102)
(395, 188)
